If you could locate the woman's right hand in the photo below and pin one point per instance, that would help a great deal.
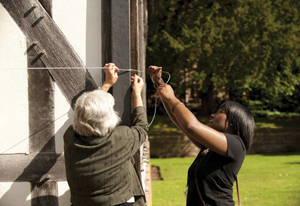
(137, 87)
(137, 84)
(165, 92)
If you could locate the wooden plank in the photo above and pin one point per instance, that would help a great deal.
(40, 105)
(40, 100)
(44, 193)
(138, 38)
(32, 167)
(134, 35)
(106, 31)
(134, 59)
(120, 47)
(115, 48)
(143, 33)
(138, 63)
(52, 47)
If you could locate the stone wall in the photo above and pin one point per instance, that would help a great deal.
(172, 146)
(181, 146)
(275, 143)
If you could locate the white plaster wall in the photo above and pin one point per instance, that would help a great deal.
(14, 87)
(93, 39)
(80, 23)
(15, 194)
(63, 194)
(63, 118)
(70, 16)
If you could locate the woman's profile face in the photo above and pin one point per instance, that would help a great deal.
(218, 121)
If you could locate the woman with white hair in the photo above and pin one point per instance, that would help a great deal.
(99, 154)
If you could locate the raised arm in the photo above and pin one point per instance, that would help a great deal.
(155, 75)
(209, 137)
(173, 118)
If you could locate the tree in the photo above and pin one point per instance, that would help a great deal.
(230, 49)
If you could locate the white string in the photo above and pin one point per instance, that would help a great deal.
(102, 68)
(154, 112)
(156, 100)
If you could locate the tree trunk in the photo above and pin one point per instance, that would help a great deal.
(207, 103)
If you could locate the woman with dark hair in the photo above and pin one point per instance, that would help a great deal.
(223, 144)
(99, 160)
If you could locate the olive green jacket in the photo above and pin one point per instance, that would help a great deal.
(101, 170)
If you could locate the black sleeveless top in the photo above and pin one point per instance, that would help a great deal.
(215, 174)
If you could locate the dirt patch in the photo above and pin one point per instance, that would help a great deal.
(155, 173)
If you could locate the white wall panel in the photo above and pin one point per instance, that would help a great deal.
(63, 194)
(81, 24)
(14, 87)
(15, 194)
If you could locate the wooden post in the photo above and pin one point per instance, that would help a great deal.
(44, 193)
(120, 45)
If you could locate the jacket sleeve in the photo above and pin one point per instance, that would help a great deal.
(139, 129)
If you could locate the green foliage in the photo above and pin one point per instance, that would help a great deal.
(259, 109)
(239, 50)
(264, 180)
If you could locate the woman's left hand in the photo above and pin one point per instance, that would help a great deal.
(165, 92)
(155, 73)
(111, 76)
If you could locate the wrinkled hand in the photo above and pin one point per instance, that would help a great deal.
(155, 73)
(111, 74)
(165, 92)
(137, 84)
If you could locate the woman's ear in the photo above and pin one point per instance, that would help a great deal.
(230, 128)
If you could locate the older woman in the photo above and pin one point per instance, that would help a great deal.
(99, 154)
(223, 143)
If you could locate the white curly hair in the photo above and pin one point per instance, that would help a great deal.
(94, 114)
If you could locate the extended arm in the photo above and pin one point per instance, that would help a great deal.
(190, 125)
(173, 118)
(155, 75)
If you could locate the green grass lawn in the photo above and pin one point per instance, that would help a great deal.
(264, 180)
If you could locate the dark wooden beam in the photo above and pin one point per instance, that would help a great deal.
(39, 167)
(106, 31)
(40, 106)
(120, 55)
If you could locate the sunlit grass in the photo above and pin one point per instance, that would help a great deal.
(264, 180)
